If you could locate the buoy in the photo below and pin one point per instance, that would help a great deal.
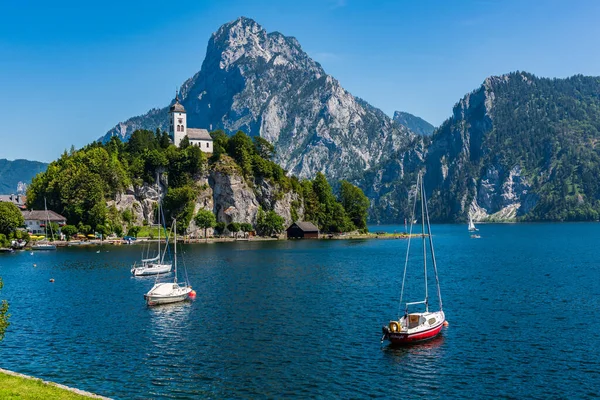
(446, 323)
(51, 279)
(193, 294)
(35, 265)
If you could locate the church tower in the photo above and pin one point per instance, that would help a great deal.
(177, 122)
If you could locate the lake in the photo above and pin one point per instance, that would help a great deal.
(303, 318)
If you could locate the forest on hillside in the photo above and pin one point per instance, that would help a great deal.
(79, 184)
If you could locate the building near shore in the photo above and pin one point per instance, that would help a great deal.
(302, 230)
(17, 199)
(35, 220)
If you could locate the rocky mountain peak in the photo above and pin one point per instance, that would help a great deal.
(265, 84)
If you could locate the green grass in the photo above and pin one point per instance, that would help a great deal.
(148, 231)
(15, 387)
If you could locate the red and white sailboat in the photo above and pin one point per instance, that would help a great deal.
(418, 326)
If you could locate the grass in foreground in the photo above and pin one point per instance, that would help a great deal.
(14, 387)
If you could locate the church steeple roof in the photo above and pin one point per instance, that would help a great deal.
(177, 107)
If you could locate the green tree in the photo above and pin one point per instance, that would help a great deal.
(219, 227)
(185, 142)
(355, 203)
(269, 223)
(179, 203)
(69, 231)
(4, 315)
(134, 230)
(241, 149)
(220, 143)
(246, 227)
(10, 217)
(233, 227)
(205, 219)
(263, 147)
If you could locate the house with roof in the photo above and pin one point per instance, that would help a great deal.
(302, 230)
(17, 199)
(178, 129)
(35, 220)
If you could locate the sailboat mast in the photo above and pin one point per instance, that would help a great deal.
(175, 247)
(424, 242)
(437, 281)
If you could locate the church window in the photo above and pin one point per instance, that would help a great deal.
(207, 145)
(180, 120)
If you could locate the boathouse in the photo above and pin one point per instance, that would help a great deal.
(302, 230)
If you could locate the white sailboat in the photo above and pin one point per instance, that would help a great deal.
(169, 292)
(418, 326)
(45, 244)
(155, 265)
(472, 227)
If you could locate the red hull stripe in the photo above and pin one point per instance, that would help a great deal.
(415, 337)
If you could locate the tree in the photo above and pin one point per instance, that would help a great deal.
(185, 142)
(69, 231)
(134, 230)
(10, 218)
(246, 227)
(205, 219)
(355, 203)
(179, 203)
(219, 227)
(263, 147)
(233, 227)
(270, 223)
(4, 315)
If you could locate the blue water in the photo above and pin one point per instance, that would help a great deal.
(303, 318)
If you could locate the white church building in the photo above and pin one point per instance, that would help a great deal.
(178, 129)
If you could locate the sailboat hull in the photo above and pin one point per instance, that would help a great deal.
(419, 333)
(43, 247)
(151, 269)
(165, 293)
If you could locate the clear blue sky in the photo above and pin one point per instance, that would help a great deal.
(69, 70)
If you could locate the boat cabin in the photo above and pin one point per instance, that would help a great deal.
(302, 230)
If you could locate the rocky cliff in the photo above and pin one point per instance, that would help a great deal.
(224, 191)
(265, 84)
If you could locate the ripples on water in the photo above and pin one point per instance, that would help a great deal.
(303, 319)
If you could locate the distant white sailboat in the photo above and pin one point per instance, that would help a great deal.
(155, 265)
(472, 227)
(169, 292)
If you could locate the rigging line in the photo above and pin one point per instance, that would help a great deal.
(437, 281)
(412, 218)
(424, 243)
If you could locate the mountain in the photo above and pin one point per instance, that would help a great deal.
(414, 123)
(13, 172)
(518, 147)
(265, 84)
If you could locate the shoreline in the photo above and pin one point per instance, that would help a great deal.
(119, 242)
(54, 384)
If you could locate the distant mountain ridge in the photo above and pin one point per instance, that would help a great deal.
(13, 172)
(416, 124)
(265, 84)
(518, 147)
